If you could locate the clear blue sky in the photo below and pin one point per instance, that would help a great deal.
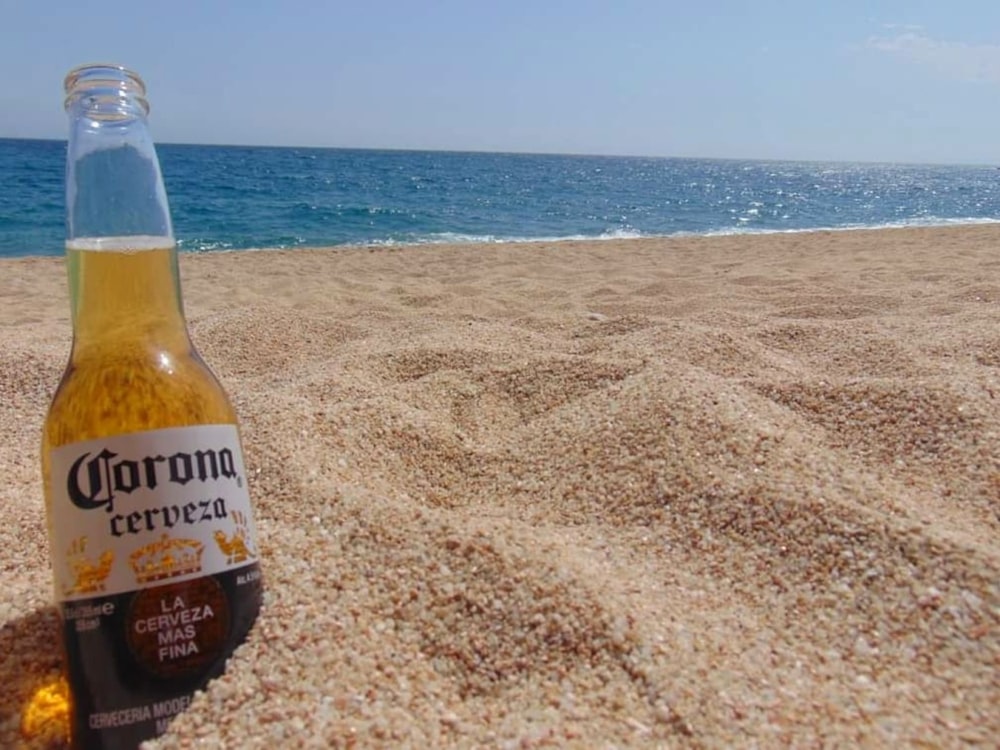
(913, 80)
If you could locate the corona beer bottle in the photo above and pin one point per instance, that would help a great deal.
(152, 540)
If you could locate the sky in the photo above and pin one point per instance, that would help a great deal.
(844, 80)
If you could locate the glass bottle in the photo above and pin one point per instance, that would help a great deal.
(152, 540)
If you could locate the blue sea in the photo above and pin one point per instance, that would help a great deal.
(237, 197)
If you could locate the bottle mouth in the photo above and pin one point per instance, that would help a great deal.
(107, 91)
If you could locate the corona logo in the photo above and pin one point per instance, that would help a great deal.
(89, 573)
(166, 558)
(234, 546)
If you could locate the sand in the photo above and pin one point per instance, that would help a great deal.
(704, 492)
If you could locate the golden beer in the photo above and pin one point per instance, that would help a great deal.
(133, 367)
(153, 547)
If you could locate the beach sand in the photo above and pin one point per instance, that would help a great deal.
(705, 492)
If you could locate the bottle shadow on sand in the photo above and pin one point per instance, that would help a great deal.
(34, 704)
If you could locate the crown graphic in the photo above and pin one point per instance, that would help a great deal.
(234, 546)
(166, 558)
(89, 573)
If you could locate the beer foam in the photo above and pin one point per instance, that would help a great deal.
(131, 243)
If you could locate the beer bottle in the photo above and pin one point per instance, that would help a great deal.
(154, 556)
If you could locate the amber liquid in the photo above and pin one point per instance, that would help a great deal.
(132, 367)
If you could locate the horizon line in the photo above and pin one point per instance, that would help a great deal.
(501, 152)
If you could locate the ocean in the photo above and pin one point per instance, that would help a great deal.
(239, 197)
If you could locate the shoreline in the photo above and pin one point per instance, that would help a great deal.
(701, 491)
(954, 224)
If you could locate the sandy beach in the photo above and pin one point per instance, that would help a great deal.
(701, 492)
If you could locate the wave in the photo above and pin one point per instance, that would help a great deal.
(462, 238)
(458, 238)
(197, 244)
(911, 223)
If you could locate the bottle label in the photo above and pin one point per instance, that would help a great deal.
(155, 565)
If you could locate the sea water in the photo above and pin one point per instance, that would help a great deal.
(239, 197)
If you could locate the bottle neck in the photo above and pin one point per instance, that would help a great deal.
(125, 295)
(122, 263)
(114, 187)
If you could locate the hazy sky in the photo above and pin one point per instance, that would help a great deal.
(906, 80)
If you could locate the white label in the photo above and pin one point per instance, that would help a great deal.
(139, 510)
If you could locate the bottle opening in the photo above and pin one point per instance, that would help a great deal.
(106, 91)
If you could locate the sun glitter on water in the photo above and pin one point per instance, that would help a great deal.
(45, 719)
